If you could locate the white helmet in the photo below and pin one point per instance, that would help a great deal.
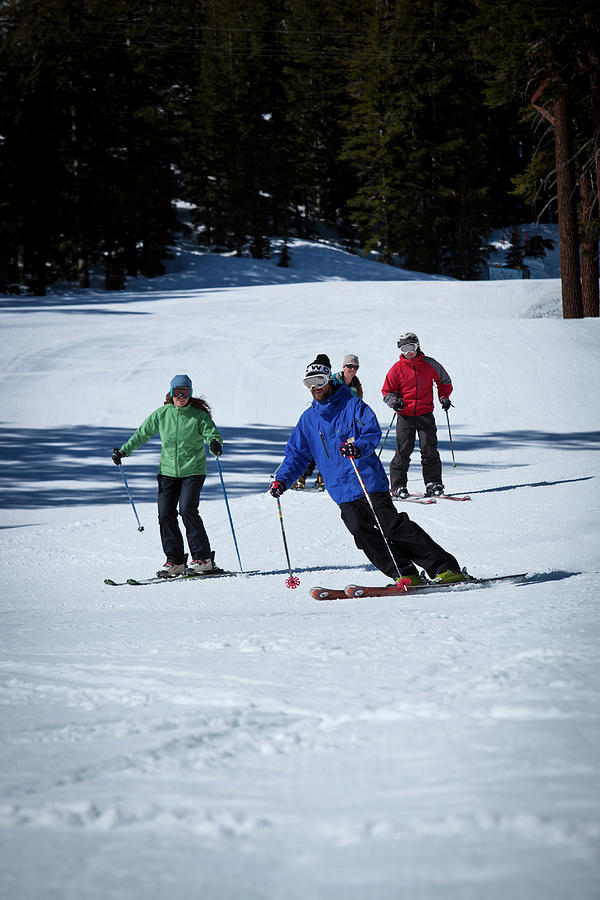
(409, 338)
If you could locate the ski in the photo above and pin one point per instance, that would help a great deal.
(415, 498)
(401, 588)
(393, 590)
(138, 582)
(216, 573)
(321, 593)
(155, 579)
(443, 497)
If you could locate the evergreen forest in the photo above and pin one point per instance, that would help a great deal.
(406, 128)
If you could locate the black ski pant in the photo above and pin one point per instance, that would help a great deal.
(406, 429)
(186, 493)
(409, 543)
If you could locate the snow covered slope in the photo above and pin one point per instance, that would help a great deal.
(234, 738)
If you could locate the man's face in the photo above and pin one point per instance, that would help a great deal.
(321, 393)
(409, 350)
(318, 384)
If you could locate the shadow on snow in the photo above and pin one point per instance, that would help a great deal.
(72, 466)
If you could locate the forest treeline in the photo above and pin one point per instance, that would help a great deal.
(408, 128)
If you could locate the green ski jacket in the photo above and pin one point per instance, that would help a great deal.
(183, 432)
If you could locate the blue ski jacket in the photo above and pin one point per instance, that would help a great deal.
(319, 434)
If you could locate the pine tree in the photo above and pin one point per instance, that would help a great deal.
(413, 137)
(536, 48)
(87, 158)
(229, 124)
(314, 181)
(284, 256)
(34, 125)
(514, 257)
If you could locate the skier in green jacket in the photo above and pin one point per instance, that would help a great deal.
(184, 424)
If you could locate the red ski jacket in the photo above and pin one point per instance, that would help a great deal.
(412, 379)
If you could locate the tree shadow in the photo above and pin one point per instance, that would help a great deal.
(72, 466)
(528, 484)
(510, 440)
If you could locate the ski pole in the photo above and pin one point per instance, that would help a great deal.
(450, 436)
(140, 527)
(386, 437)
(228, 511)
(362, 484)
(292, 581)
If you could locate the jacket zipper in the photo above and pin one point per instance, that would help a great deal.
(177, 445)
(323, 442)
(416, 387)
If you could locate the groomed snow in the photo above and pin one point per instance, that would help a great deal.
(237, 740)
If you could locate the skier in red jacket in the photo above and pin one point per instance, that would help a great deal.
(408, 390)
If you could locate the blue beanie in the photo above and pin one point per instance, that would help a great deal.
(181, 381)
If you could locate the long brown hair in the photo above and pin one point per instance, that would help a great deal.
(196, 402)
(355, 383)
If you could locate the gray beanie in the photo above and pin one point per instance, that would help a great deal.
(350, 359)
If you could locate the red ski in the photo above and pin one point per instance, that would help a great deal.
(321, 593)
(393, 590)
(390, 590)
(404, 587)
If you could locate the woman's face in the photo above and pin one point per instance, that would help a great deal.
(181, 396)
(349, 373)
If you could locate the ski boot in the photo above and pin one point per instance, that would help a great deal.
(412, 577)
(171, 570)
(199, 567)
(434, 489)
(202, 566)
(449, 577)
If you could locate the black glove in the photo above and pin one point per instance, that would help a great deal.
(215, 448)
(276, 488)
(349, 449)
(398, 404)
(445, 401)
(117, 456)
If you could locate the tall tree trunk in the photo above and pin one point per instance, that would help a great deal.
(593, 58)
(589, 248)
(567, 210)
(591, 306)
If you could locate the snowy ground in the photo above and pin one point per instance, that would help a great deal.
(236, 739)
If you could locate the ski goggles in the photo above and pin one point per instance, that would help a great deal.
(180, 392)
(409, 348)
(315, 381)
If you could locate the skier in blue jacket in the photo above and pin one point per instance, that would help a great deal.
(335, 427)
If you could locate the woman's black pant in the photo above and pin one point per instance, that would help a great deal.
(186, 493)
(410, 544)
